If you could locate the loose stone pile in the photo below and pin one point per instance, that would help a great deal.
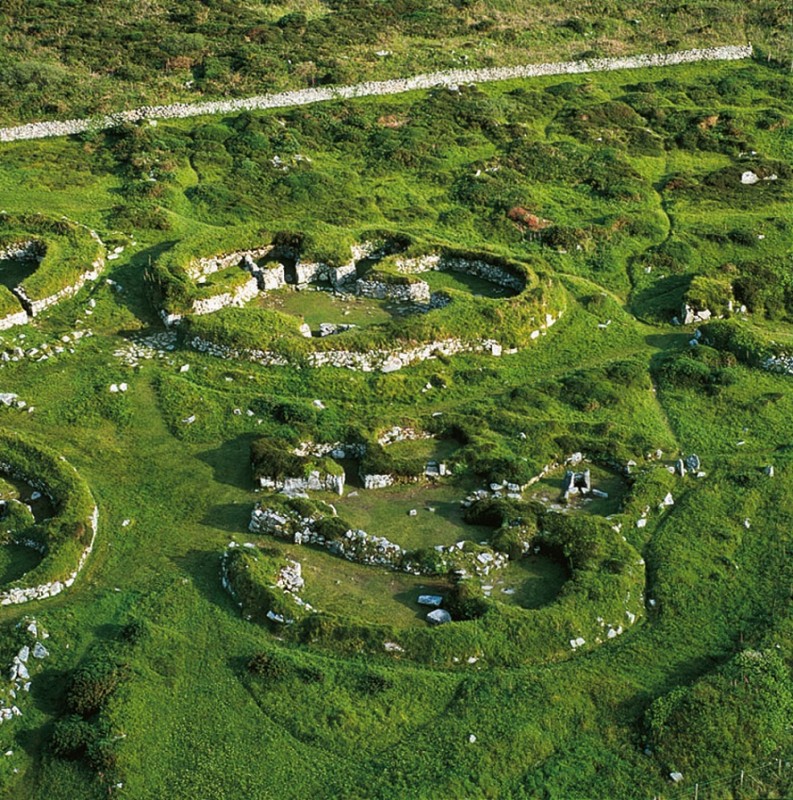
(781, 363)
(146, 347)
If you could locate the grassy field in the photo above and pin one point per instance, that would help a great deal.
(64, 62)
(184, 709)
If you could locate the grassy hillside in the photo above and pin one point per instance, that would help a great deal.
(62, 59)
(156, 685)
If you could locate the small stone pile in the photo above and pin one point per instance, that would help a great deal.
(146, 347)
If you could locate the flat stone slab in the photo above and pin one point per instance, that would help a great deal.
(430, 600)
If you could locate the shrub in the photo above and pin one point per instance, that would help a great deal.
(272, 666)
(466, 600)
(71, 736)
(92, 683)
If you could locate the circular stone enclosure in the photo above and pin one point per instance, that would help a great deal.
(210, 298)
(65, 539)
(43, 261)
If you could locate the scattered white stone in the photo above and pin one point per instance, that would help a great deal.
(676, 777)
(114, 388)
(393, 647)
(122, 387)
(471, 738)
(184, 368)
(39, 651)
(125, 523)
(749, 178)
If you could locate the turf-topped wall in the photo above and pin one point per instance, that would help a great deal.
(64, 255)
(68, 537)
(602, 598)
(444, 323)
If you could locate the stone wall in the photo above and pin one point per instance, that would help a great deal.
(310, 272)
(478, 267)
(207, 266)
(377, 481)
(451, 78)
(418, 292)
(364, 548)
(315, 481)
(17, 318)
(30, 250)
(270, 278)
(34, 307)
(370, 361)
(238, 298)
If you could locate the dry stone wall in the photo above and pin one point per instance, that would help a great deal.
(208, 266)
(34, 307)
(418, 292)
(477, 267)
(450, 78)
(365, 548)
(370, 361)
(315, 481)
(238, 298)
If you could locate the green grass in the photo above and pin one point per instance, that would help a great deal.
(530, 582)
(313, 307)
(385, 512)
(344, 717)
(15, 561)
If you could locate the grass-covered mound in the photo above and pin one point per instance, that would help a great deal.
(740, 712)
(264, 583)
(69, 251)
(70, 531)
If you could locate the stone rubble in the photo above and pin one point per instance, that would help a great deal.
(365, 548)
